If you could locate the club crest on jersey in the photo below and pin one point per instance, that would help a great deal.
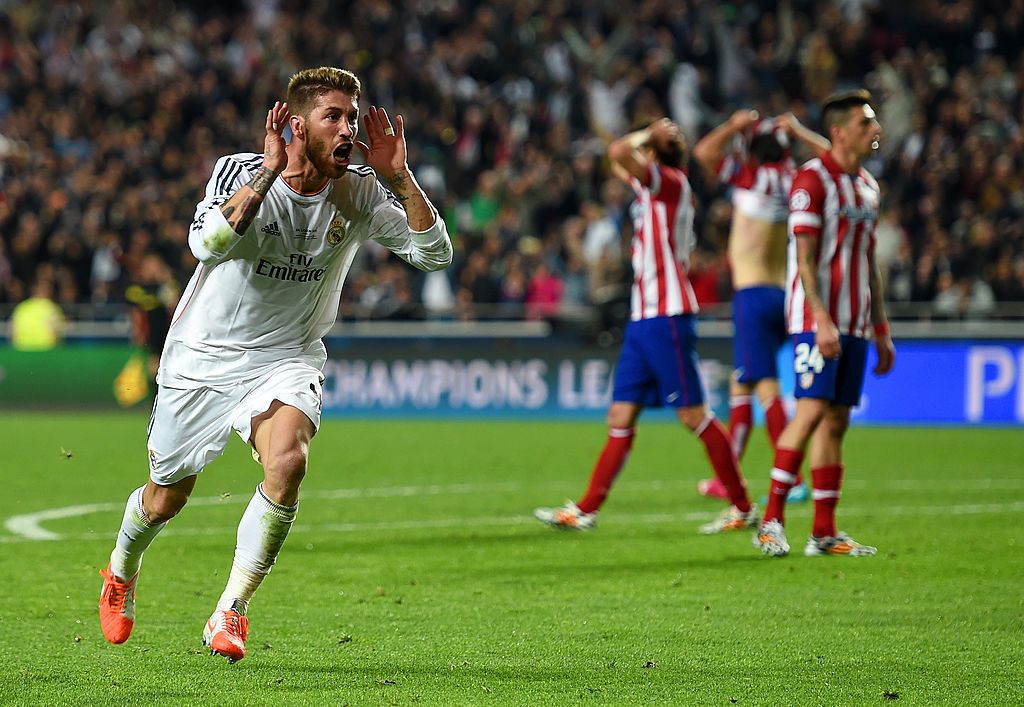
(800, 200)
(336, 232)
(806, 380)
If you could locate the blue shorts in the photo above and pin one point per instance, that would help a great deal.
(658, 363)
(838, 380)
(759, 323)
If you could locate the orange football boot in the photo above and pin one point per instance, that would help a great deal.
(225, 634)
(117, 606)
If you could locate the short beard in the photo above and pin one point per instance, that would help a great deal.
(328, 168)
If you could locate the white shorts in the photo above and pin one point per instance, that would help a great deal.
(191, 427)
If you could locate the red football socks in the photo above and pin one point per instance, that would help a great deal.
(719, 448)
(784, 477)
(741, 418)
(826, 481)
(775, 419)
(609, 464)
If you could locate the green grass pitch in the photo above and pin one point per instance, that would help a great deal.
(416, 574)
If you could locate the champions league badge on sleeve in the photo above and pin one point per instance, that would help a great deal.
(336, 232)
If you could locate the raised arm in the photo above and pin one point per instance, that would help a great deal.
(386, 153)
(625, 151)
(215, 231)
(415, 232)
(816, 143)
(712, 147)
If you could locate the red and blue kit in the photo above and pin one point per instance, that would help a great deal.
(658, 362)
(840, 211)
(759, 191)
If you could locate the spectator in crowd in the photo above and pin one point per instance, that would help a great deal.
(37, 323)
(155, 294)
(510, 103)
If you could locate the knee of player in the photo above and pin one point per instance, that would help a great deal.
(693, 416)
(621, 415)
(810, 412)
(838, 422)
(288, 466)
(164, 506)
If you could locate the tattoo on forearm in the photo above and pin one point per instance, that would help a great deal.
(240, 218)
(262, 181)
(399, 182)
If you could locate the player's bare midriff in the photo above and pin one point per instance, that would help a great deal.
(757, 252)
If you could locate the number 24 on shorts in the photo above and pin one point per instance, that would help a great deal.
(807, 358)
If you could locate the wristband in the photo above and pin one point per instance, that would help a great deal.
(881, 329)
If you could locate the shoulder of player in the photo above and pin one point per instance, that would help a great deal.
(360, 173)
(813, 173)
(358, 179)
(814, 164)
(230, 167)
(869, 179)
(249, 160)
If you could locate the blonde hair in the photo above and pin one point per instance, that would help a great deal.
(309, 84)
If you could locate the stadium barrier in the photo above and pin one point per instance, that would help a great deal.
(519, 369)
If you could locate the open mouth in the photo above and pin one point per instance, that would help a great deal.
(342, 152)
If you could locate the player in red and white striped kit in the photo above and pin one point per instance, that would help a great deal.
(658, 362)
(753, 156)
(833, 306)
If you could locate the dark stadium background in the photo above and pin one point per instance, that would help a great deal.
(111, 115)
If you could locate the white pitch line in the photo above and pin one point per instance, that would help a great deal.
(29, 526)
(613, 519)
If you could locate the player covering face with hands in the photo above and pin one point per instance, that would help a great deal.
(658, 365)
(275, 236)
(754, 156)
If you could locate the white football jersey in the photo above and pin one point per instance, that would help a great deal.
(273, 292)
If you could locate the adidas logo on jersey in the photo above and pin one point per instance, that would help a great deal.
(272, 228)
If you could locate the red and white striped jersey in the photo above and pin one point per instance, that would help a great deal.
(840, 210)
(662, 240)
(760, 191)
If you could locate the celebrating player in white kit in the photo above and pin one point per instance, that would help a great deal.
(245, 351)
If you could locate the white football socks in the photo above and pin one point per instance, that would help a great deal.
(134, 536)
(261, 533)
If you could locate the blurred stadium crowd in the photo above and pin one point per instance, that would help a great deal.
(112, 114)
